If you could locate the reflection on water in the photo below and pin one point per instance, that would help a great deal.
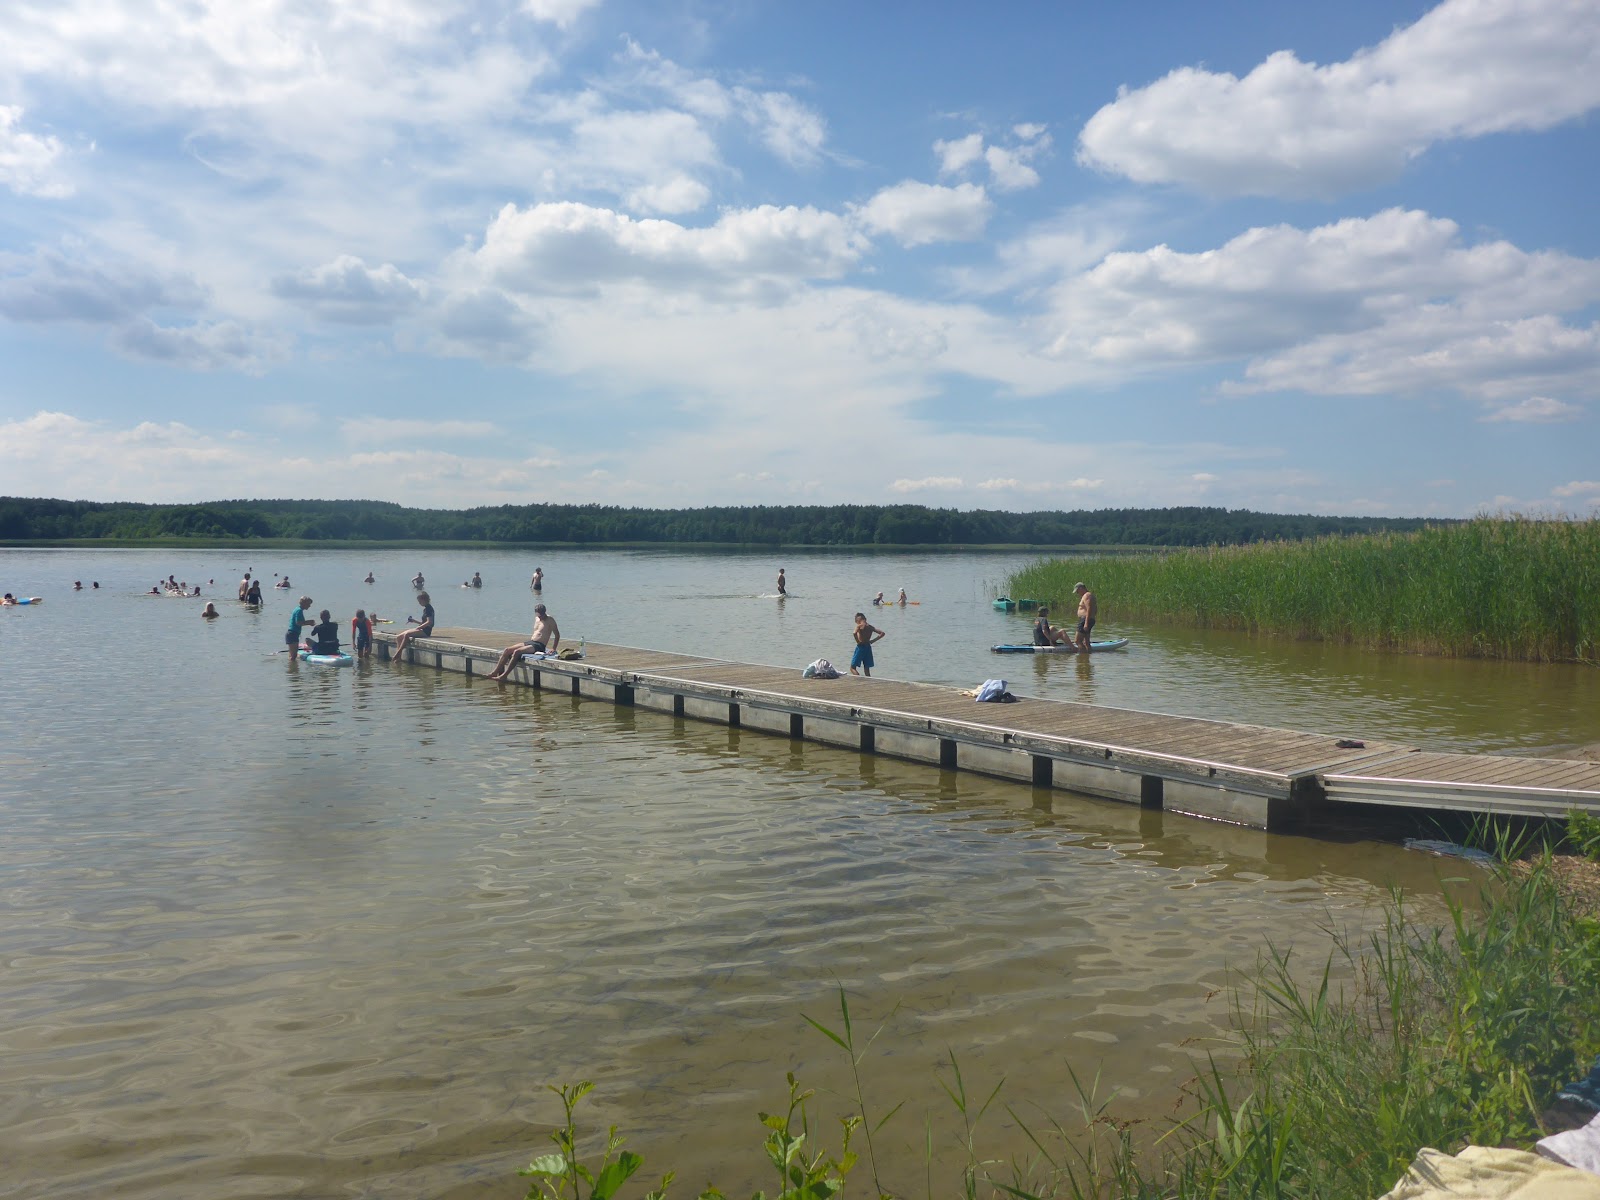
(283, 931)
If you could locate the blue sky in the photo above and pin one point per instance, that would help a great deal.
(1335, 259)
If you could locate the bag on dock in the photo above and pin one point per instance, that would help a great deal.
(821, 669)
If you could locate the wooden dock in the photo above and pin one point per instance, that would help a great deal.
(1272, 779)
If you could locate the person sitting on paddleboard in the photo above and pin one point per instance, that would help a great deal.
(324, 635)
(1045, 635)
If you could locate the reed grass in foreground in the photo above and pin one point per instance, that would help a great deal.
(1493, 587)
(1446, 1036)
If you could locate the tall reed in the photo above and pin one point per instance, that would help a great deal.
(1494, 587)
(1441, 1035)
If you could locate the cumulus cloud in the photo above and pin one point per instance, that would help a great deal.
(398, 429)
(562, 13)
(1397, 301)
(88, 285)
(1009, 166)
(930, 483)
(210, 346)
(917, 214)
(787, 127)
(557, 249)
(27, 161)
(1541, 410)
(349, 292)
(1578, 488)
(679, 194)
(1291, 128)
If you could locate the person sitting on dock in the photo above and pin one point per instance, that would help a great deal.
(545, 639)
(1044, 634)
(424, 627)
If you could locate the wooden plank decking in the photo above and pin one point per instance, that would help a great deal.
(1248, 774)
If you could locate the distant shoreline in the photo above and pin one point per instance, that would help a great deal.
(733, 547)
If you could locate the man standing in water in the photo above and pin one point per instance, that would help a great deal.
(545, 639)
(783, 587)
(1087, 611)
(863, 653)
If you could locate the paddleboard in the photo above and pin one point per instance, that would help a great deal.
(1116, 644)
(29, 600)
(327, 660)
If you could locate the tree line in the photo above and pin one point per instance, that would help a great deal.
(41, 520)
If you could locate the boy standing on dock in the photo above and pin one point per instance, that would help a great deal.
(863, 653)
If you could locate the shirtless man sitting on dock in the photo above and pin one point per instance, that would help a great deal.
(545, 639)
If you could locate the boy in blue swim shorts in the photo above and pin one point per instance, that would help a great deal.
(865, 635)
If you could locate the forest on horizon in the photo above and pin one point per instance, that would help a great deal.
(43, 520)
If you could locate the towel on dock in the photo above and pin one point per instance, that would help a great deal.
(821, 669)
(994, 691)
(1482, 1173)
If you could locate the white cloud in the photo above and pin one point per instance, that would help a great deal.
(28, 161)
(679, 194)
(555, 249)
(931, 483)
(1009, 170)
(1394, 302)
(561, 13)
(347, 291)
(1578, 487)
(917, 214)
(87, 284)
(956, 156)
(1291, 128)
(210, 346)
(397, 429)
(787, 127)
(1535, 409)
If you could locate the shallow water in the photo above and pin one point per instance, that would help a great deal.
(273, 930)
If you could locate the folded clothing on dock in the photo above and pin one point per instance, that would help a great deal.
(1576, 1147)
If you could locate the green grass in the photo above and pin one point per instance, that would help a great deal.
(1439, 1035)
(1494, 587)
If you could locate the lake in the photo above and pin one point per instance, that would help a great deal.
(273, 930)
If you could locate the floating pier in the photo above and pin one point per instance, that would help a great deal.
(1273, 779)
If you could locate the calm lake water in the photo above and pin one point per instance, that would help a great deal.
(271, 930)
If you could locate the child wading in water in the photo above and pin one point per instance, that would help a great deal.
(361, 633)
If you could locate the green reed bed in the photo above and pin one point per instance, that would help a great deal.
(1440, 1035)
(1493, 587)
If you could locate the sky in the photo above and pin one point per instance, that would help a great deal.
(1046, 254)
